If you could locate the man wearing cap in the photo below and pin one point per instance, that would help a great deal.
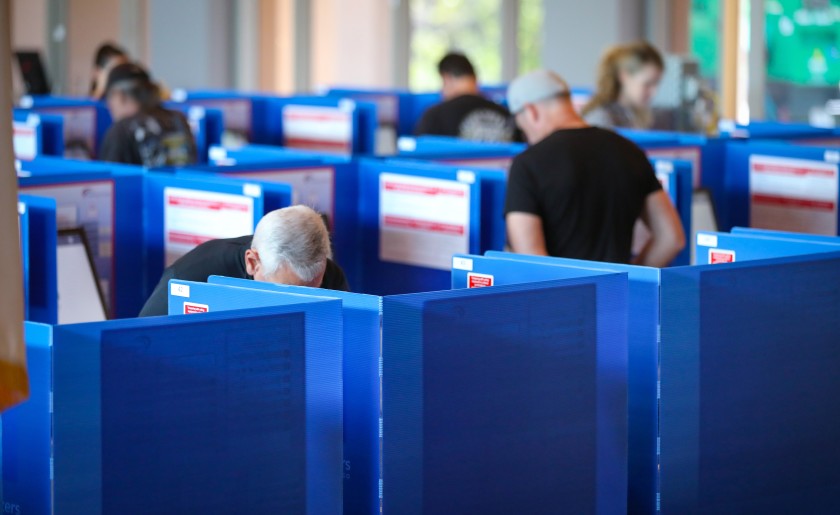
(143, 132)
(578, 190)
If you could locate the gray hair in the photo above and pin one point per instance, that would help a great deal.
(295, 237)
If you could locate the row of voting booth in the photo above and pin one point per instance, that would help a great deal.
(531, 385)
(456, 378)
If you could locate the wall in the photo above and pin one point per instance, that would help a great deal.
(29, 32)
(190, 43)
(351, 42)
(576, 33)
(89, 24)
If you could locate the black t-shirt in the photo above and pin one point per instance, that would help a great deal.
(588, 186)
(159, 137)
(220, 257)
(470, 117)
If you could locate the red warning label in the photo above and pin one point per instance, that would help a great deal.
(192, 308)
(479, 280)
(718, 256)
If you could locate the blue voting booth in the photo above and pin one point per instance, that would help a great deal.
(361, 320)
(776, 185)
(465, 370)
(23, 227)
(106, 201)
(37, 134)
(412, 218)
(239, 408)
(41, 288)
(721, 248)
(748, 417)
(501, 268)
(84, 121)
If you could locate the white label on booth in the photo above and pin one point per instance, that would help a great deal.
(795, 195)
(191, 217)
(459, 263)
(707, 240)
(423, 221)
(179, 290)
(25, 139)
(318, 128)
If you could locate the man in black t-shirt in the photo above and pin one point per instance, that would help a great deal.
(464, 113)
(290, 246)
(578, 190)
(143, 132)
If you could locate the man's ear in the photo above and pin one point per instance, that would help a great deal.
(252, 262)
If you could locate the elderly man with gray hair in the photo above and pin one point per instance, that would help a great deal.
(290, 246)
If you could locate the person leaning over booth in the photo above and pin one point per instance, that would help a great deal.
(628, 77)
(578, 190)
(290, 246)
(464, 113)
(144, 132)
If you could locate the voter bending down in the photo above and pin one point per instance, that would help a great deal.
(578, 190)
(290, 246)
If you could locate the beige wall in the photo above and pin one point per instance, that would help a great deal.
(89, 23)
(351, 43)
(29, 32)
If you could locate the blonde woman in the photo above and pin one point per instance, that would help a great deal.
(628, 77)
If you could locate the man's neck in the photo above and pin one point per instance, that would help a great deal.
(460, 88)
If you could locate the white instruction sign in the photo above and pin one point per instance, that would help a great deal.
(795, 195)
(327, 129)
(192, 217)
(423, 221)
(25, 139)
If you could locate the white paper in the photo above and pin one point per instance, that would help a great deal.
(423, 221)
(683, 153)
(192, 217)
(794, 195)
(25, 139)
(327, 129)
(313, 187)
(78, 298)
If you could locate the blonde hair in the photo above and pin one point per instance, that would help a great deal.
(621, 58)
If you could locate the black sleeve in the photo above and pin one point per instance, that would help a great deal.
(427, 124)
(522, 191)
(158, 302)
(649, 182)
(117, 147)
(334, 278)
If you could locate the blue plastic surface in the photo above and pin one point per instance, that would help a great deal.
(510, 399)
(42, 283)
(749, 247)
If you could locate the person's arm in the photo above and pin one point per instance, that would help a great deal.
(427, 124)
(667, 234)
(525, 233)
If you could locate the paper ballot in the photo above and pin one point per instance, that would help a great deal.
(423, 221)
(795, 195)
(193, 217)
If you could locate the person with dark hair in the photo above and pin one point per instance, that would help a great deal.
(107, 56)
(464, 113)
(144, 132)
(627, 80)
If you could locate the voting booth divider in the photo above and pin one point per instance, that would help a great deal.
(779, 186)
(23, 230)
(748, 418)
(36, 135)
(84, 121)
(509, 399)
(39, 232)
(106, 203)
(238, 408)
(748, 245)
(361, 330)
(501, 268)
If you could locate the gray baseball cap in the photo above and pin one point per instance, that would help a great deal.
(533, 87)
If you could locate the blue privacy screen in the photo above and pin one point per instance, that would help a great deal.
(748, 416)
(187, 414)
(362, 336)
(511, 399)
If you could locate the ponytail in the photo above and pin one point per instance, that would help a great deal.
(629, 57)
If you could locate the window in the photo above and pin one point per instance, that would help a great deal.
(529, 35)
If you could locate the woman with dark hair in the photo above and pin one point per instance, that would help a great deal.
(143, 132)
(627, 80)
(107, 56)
